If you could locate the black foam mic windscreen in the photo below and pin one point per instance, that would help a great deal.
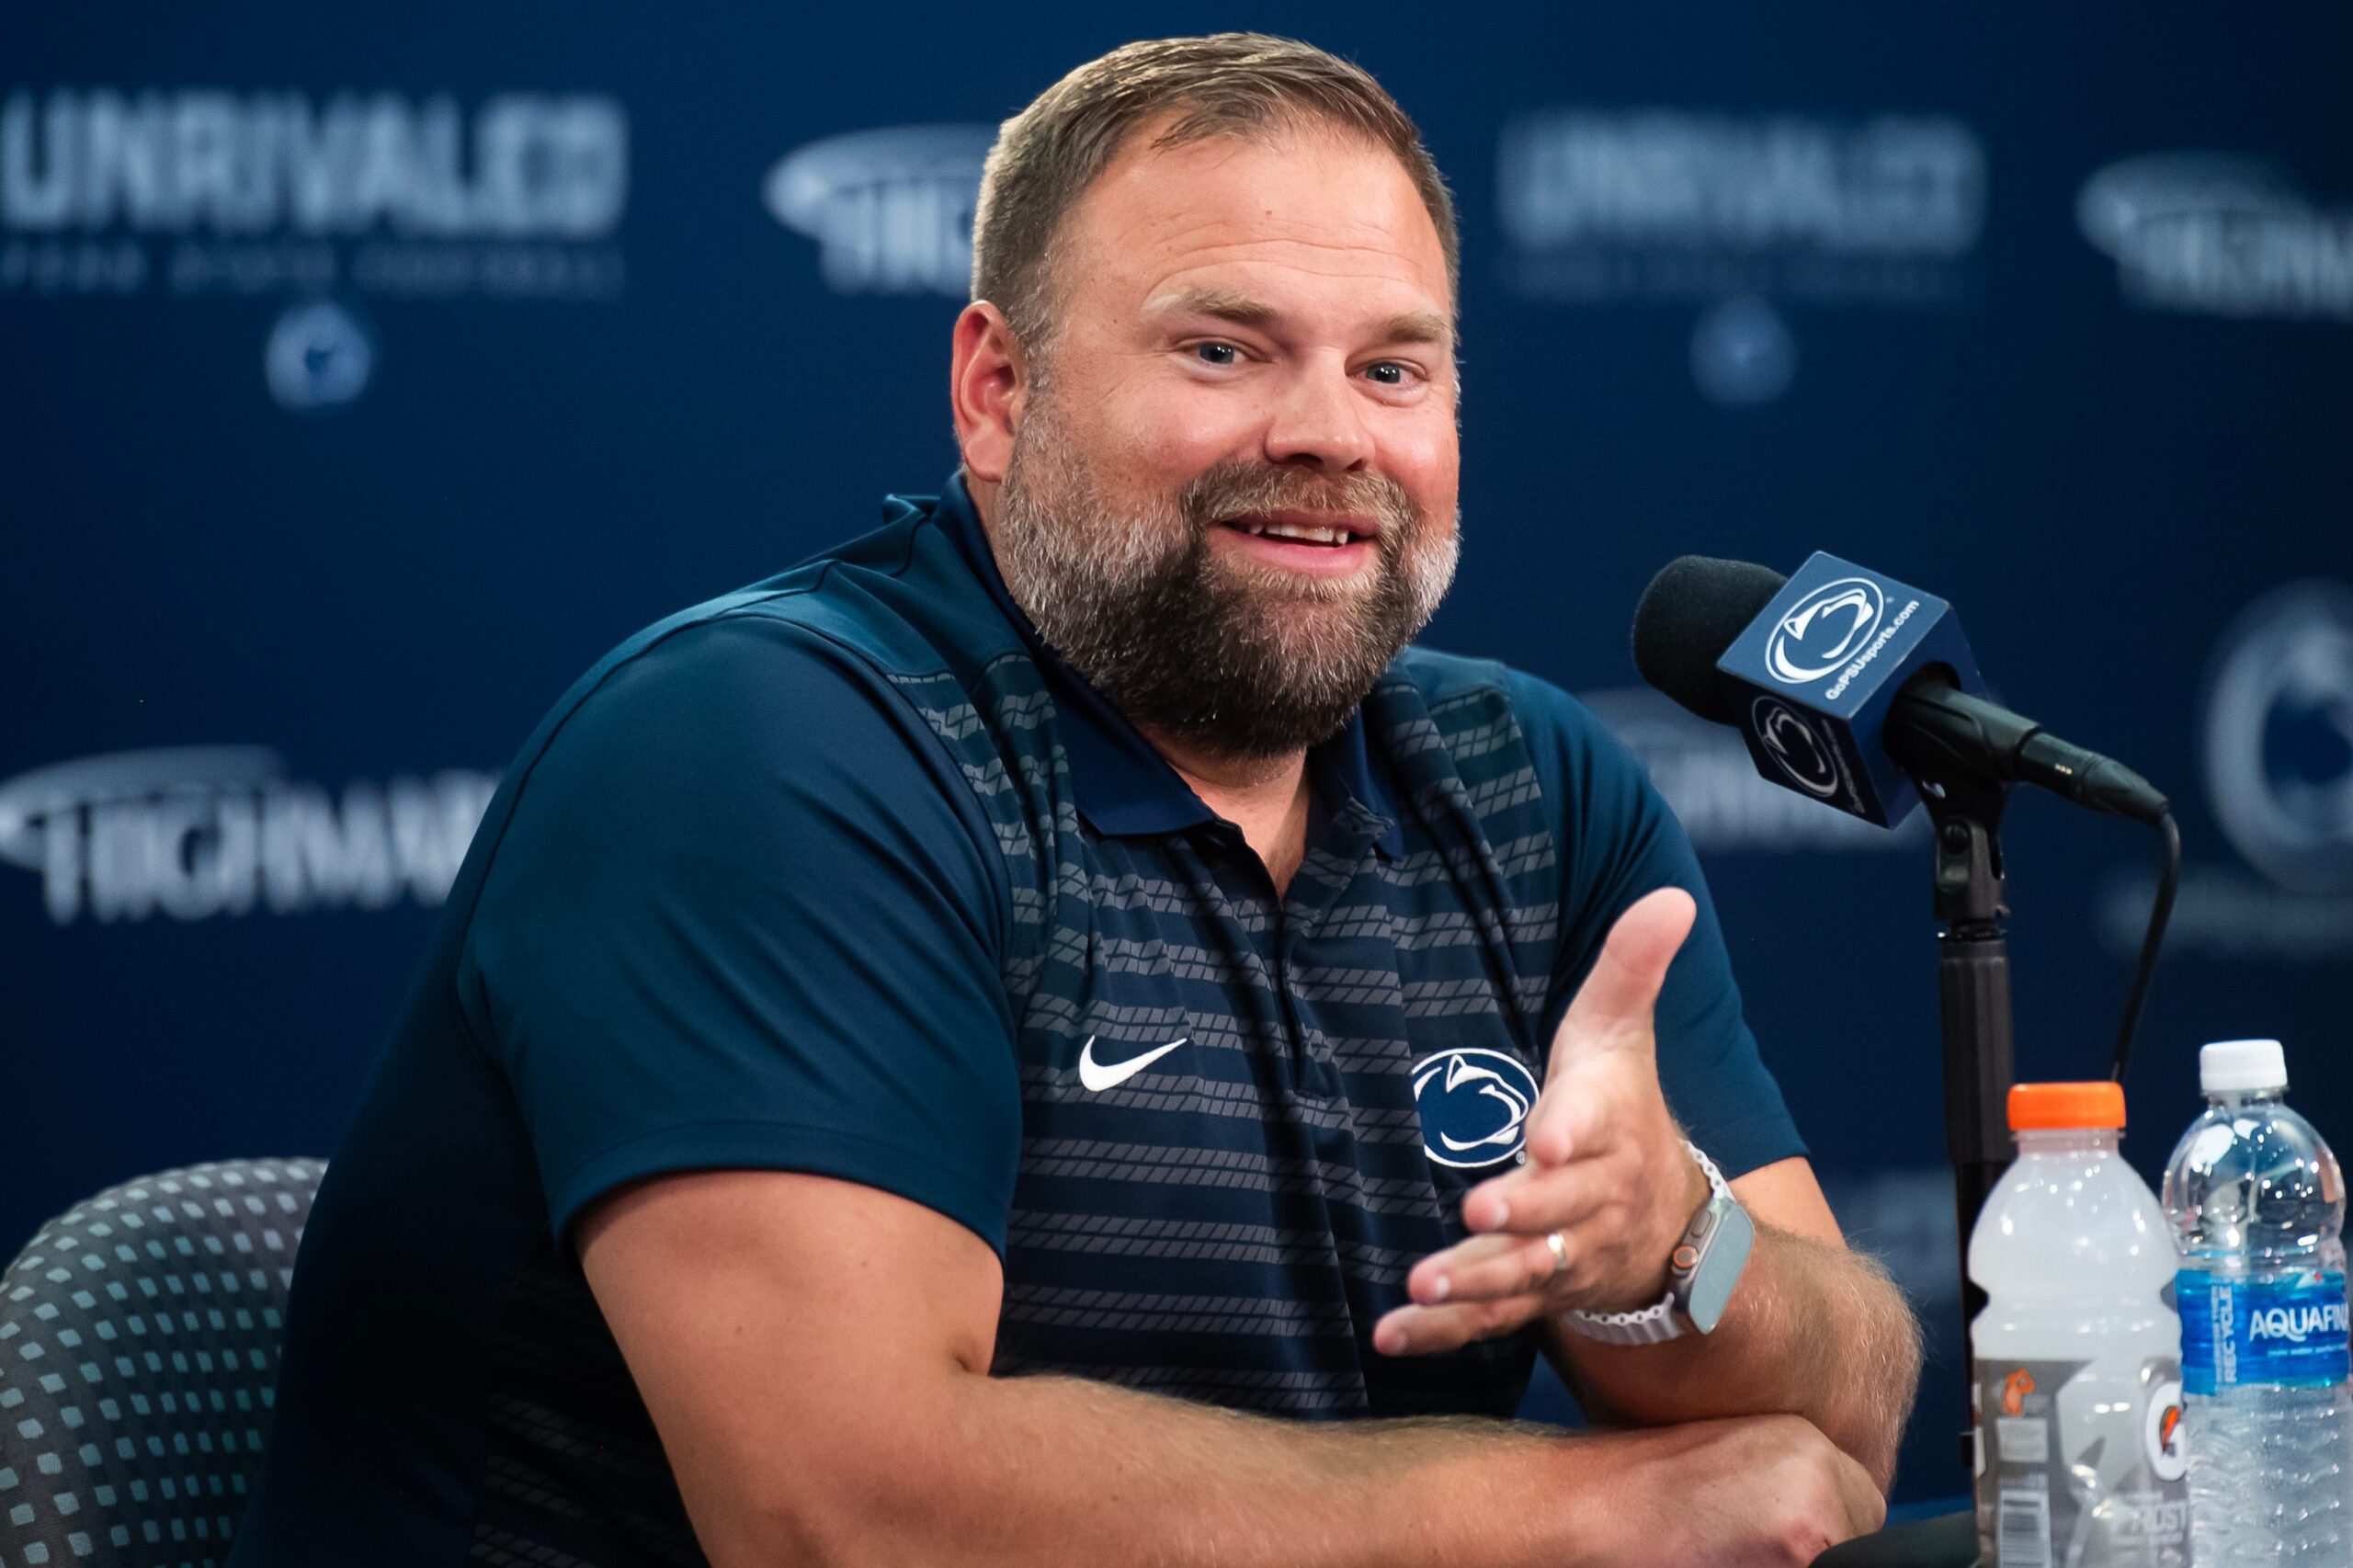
(1688, 616)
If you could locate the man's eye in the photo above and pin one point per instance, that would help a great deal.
(1217, 353)
(1389, 373)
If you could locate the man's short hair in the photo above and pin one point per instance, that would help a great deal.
(1224, 84)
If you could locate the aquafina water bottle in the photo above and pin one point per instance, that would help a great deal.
(2256, 1202)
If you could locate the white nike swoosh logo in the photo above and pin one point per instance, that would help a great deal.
(1099, 1077)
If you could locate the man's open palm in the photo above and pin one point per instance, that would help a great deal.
(1606, 1168)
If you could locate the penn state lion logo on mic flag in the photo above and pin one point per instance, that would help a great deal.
(1822, 631)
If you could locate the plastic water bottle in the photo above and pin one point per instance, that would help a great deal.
(2081, 1461)
(2257, 1201)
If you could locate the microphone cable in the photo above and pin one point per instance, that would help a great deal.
(2144, 971)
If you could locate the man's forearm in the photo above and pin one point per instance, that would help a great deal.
(1049, 1469)
(824, 1398)
(1814, 1330)
(1054, 1471)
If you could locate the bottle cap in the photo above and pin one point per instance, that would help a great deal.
(2042, 1108)
(2237, 1065)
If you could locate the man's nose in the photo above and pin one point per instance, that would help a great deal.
(1319, 420)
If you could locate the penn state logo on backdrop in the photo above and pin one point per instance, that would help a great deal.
(1824, 629)
(2275, 749)
(2279, 737)
(1743, 353)
(1473, 1105)
(318, 357)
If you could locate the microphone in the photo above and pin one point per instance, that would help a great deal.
(1849, 686)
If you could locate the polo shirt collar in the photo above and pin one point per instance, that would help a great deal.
(1124, 786)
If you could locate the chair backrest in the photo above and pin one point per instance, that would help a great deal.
(138, 1337)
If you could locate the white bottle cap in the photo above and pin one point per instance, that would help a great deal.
(2230, 1066)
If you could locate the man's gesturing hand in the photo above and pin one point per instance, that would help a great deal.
(1605, 1167)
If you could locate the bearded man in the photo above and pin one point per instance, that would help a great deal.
(1048, 1034)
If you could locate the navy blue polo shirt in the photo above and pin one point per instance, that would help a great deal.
(847, 873)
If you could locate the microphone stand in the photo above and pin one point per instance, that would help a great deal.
(1973, 996)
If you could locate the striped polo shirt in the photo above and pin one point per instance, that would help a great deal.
(847, 873)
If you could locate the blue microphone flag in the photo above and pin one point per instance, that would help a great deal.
(1810, 680)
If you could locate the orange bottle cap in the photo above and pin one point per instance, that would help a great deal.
(2038, 1108)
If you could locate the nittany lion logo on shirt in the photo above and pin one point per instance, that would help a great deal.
(1473, 1106)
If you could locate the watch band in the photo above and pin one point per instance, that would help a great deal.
(1659, 1322)
(1654, 1325)
(1717, 1186)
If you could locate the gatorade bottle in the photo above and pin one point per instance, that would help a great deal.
(2081, 1461)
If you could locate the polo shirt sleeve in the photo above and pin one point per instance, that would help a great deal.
(745, 913)
(1619, 840)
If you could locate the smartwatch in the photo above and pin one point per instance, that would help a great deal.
(1701, 1273)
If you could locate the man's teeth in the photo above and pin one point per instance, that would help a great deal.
(1298, 532)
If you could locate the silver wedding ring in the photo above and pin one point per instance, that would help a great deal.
(1560, 1252)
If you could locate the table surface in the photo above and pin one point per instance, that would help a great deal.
(1948, 1541)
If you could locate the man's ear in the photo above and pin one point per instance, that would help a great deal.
(988, 381)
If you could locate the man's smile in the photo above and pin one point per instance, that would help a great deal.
(1323, 543)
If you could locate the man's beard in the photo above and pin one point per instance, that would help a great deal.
(1242, 661)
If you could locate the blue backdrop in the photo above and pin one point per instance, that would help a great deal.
(366, 379)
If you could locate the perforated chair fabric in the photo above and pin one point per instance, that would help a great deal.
(139, 1338)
